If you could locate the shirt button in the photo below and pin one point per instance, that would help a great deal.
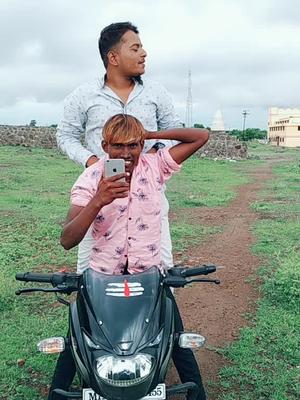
(129, 238)
(125, 255)
(130, 218)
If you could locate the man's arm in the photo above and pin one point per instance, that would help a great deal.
(79, 219)
(72, 128)
(191, 139)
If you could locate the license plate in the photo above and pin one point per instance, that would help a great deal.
(159, 393)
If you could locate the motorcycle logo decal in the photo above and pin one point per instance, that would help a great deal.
(126, 289)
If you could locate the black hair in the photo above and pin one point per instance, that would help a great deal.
(111, 35)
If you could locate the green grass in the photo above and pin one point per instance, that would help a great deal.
(35, 186)
(267, 358)
(204, 183)
(264, 363)
(185, 235)
(260, 151)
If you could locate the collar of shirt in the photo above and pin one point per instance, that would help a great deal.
(137, 89)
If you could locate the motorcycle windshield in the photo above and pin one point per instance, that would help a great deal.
(123, 306)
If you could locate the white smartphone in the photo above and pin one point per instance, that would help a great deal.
(114, 166)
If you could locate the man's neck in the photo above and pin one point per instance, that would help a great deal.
(120, 85)
(118, 82)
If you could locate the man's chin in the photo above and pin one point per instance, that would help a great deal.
(138, 75)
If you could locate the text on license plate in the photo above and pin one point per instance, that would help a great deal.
(158, 393)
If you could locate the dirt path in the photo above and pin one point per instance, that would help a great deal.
(216, 311)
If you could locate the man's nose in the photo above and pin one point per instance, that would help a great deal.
(144, 53)
(125, 152)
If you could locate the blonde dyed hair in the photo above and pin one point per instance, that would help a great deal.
(122, 128)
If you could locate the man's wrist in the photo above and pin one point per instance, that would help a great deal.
(91, 160)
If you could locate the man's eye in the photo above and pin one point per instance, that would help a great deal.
(117, 146)
(133, 145)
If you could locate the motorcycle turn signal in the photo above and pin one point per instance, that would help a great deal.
(191, 340)
(51, 345)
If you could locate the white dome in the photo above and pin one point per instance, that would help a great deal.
(218, 123)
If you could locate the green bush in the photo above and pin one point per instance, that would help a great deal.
(284, 285)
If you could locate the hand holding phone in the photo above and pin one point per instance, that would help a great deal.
(112, 186)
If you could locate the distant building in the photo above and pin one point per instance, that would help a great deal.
(284, 127)
(218, 123)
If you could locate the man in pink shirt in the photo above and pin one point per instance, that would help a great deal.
(127, 230)
(125, 216)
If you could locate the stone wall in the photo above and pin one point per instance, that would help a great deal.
(220, 145)
(223, 146)
(29, 136)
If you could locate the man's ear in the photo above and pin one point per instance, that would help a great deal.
(104, 146)
(112, 57)
(142, 143)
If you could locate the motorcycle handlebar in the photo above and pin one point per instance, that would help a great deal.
(202, 270)
(55, 279)
(34, 277)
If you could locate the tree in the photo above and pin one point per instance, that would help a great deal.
(198, 126)
(249, 134)
(32, 122)
(201, 126)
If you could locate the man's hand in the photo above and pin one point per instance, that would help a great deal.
(92, 160)
(112, 188)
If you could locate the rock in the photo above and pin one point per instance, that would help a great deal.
(20, 362)
(222, 146)
(27, 136)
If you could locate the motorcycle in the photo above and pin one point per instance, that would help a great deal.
(121, 330)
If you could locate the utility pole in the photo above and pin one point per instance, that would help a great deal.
(189, 103)
(244, 113)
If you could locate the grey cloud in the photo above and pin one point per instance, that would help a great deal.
(48, 48)
(275, 12)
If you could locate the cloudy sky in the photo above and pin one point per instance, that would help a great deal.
(243, 55)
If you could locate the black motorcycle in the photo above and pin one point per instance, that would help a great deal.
(121, 330)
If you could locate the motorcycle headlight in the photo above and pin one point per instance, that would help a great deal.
(124, 371)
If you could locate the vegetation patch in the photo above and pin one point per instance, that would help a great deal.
(265, 360)
(35, 186)
(185, 235)
(204, 182)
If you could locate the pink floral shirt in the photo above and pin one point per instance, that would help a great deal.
(128, 229)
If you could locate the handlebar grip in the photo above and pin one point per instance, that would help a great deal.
(203, 270)
(20, 277)
(34, 277)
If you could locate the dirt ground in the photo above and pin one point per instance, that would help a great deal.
(217, 311)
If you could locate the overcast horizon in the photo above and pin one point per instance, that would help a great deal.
(242, 56)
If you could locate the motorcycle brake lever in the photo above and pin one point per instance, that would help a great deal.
(61, 300)
(216, 281)
(30, 290)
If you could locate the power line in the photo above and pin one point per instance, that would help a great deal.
(189, 103)
(244, 113)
